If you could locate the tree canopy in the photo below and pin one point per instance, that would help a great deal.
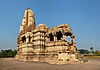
(7, 53)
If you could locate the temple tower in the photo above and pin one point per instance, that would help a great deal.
(24, 41)
(28, 21)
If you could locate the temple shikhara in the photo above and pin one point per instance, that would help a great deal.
(43, 44)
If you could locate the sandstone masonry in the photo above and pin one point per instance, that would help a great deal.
(43, 44)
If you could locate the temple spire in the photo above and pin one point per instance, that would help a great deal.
(28, 21)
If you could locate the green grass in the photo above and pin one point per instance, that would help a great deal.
(94, 57)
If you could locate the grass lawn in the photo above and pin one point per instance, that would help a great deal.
(94, 57)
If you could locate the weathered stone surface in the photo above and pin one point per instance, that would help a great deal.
(40, 43)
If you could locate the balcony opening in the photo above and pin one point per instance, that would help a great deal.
(23, 39)
(51, 37)
(59, 35)
(68, 38)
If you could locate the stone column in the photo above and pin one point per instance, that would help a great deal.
(55, 38)
(64, 37)
(72, 39)
(27, 37)
(27, 40)
(74, 45)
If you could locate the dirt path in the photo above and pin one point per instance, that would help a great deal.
(12, 64)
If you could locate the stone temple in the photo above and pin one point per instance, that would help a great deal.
(43, 44)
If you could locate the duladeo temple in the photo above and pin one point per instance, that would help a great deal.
(43, 44)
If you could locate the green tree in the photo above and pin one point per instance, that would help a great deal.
(92, 52)
(91, 48)
(83, 51)
(8, 53)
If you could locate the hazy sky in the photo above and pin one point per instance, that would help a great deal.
(83, 16)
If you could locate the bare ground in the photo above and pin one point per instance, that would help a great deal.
(13, 64)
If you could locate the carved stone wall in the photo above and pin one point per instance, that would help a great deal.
(40, 43)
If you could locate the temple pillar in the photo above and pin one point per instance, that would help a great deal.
(27, 40)
(55, 38)
(64, 37)
(72, 39)
(74, 47)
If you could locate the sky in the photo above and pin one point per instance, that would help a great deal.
(83, 16)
